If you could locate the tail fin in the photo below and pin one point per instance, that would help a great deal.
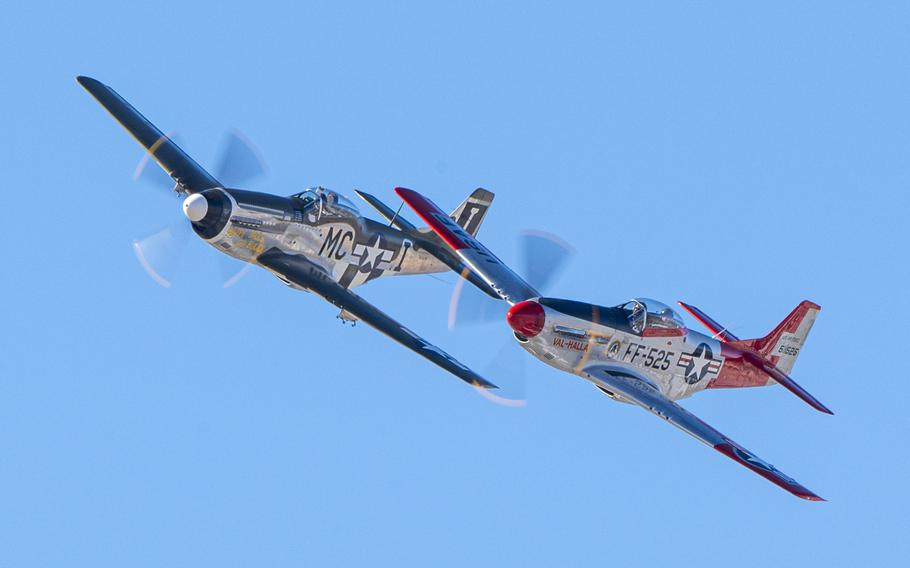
(781, 347)
(469, 215)
(773, 355)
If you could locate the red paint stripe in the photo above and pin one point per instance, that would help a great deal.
(427, 210)
(774, 477)
(659, 332)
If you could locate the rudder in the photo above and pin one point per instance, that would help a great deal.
(469, 215)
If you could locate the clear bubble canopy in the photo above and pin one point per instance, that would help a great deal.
(646, 313)
(328, 197)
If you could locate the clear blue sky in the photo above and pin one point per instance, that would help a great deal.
(742, 159)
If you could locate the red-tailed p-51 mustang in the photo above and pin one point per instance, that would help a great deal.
(639, 352)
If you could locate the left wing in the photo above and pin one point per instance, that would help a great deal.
(635, 388)
(302, 272)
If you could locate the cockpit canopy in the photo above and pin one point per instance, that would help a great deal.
(651, 318)
(329, 199)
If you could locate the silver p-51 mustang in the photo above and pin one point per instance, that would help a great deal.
(639, 352)
(315, 240)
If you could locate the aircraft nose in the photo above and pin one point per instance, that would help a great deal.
(526, 318)
(209, 210)
(195, 207)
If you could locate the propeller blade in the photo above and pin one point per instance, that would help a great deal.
(149, 172)
(469, 305)
(543, 257)
(508, 368)
(159, 253)
(239, 162)
(232, 270)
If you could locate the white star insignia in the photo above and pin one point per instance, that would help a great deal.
(371, 256)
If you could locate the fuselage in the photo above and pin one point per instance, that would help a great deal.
(320, 224)
(641, 335)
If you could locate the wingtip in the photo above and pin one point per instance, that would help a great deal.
(803, 394)
(751, 461)
(402, 191)
(87, 81)
(818, 405)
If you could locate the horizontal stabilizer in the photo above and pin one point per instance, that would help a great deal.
(784, 379)
(392, 217)
(719, 331)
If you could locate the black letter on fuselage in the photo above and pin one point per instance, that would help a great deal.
(332, 242)
(340, 254)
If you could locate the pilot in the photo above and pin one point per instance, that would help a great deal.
(667, 318)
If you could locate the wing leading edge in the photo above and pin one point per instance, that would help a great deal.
(636, 389)
(499, 277)
(189, 175)
(302, 272)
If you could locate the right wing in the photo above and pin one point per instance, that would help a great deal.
(634, 388)
(302, 272)
(499, 277)
(190, 176)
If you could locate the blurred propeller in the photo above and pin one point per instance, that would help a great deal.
(239, 161)
(507, 370)
(543, 257)
(159, 253)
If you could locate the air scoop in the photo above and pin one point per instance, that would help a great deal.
(195, 207)
(526, 318)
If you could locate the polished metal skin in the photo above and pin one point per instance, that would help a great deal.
(315, 240)
(320, 224)
(679, 362)
(639, 352)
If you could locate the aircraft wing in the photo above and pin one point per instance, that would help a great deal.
(634, 388)
(189, 175)
(719, 331)
(302, 272)
(499, 277)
